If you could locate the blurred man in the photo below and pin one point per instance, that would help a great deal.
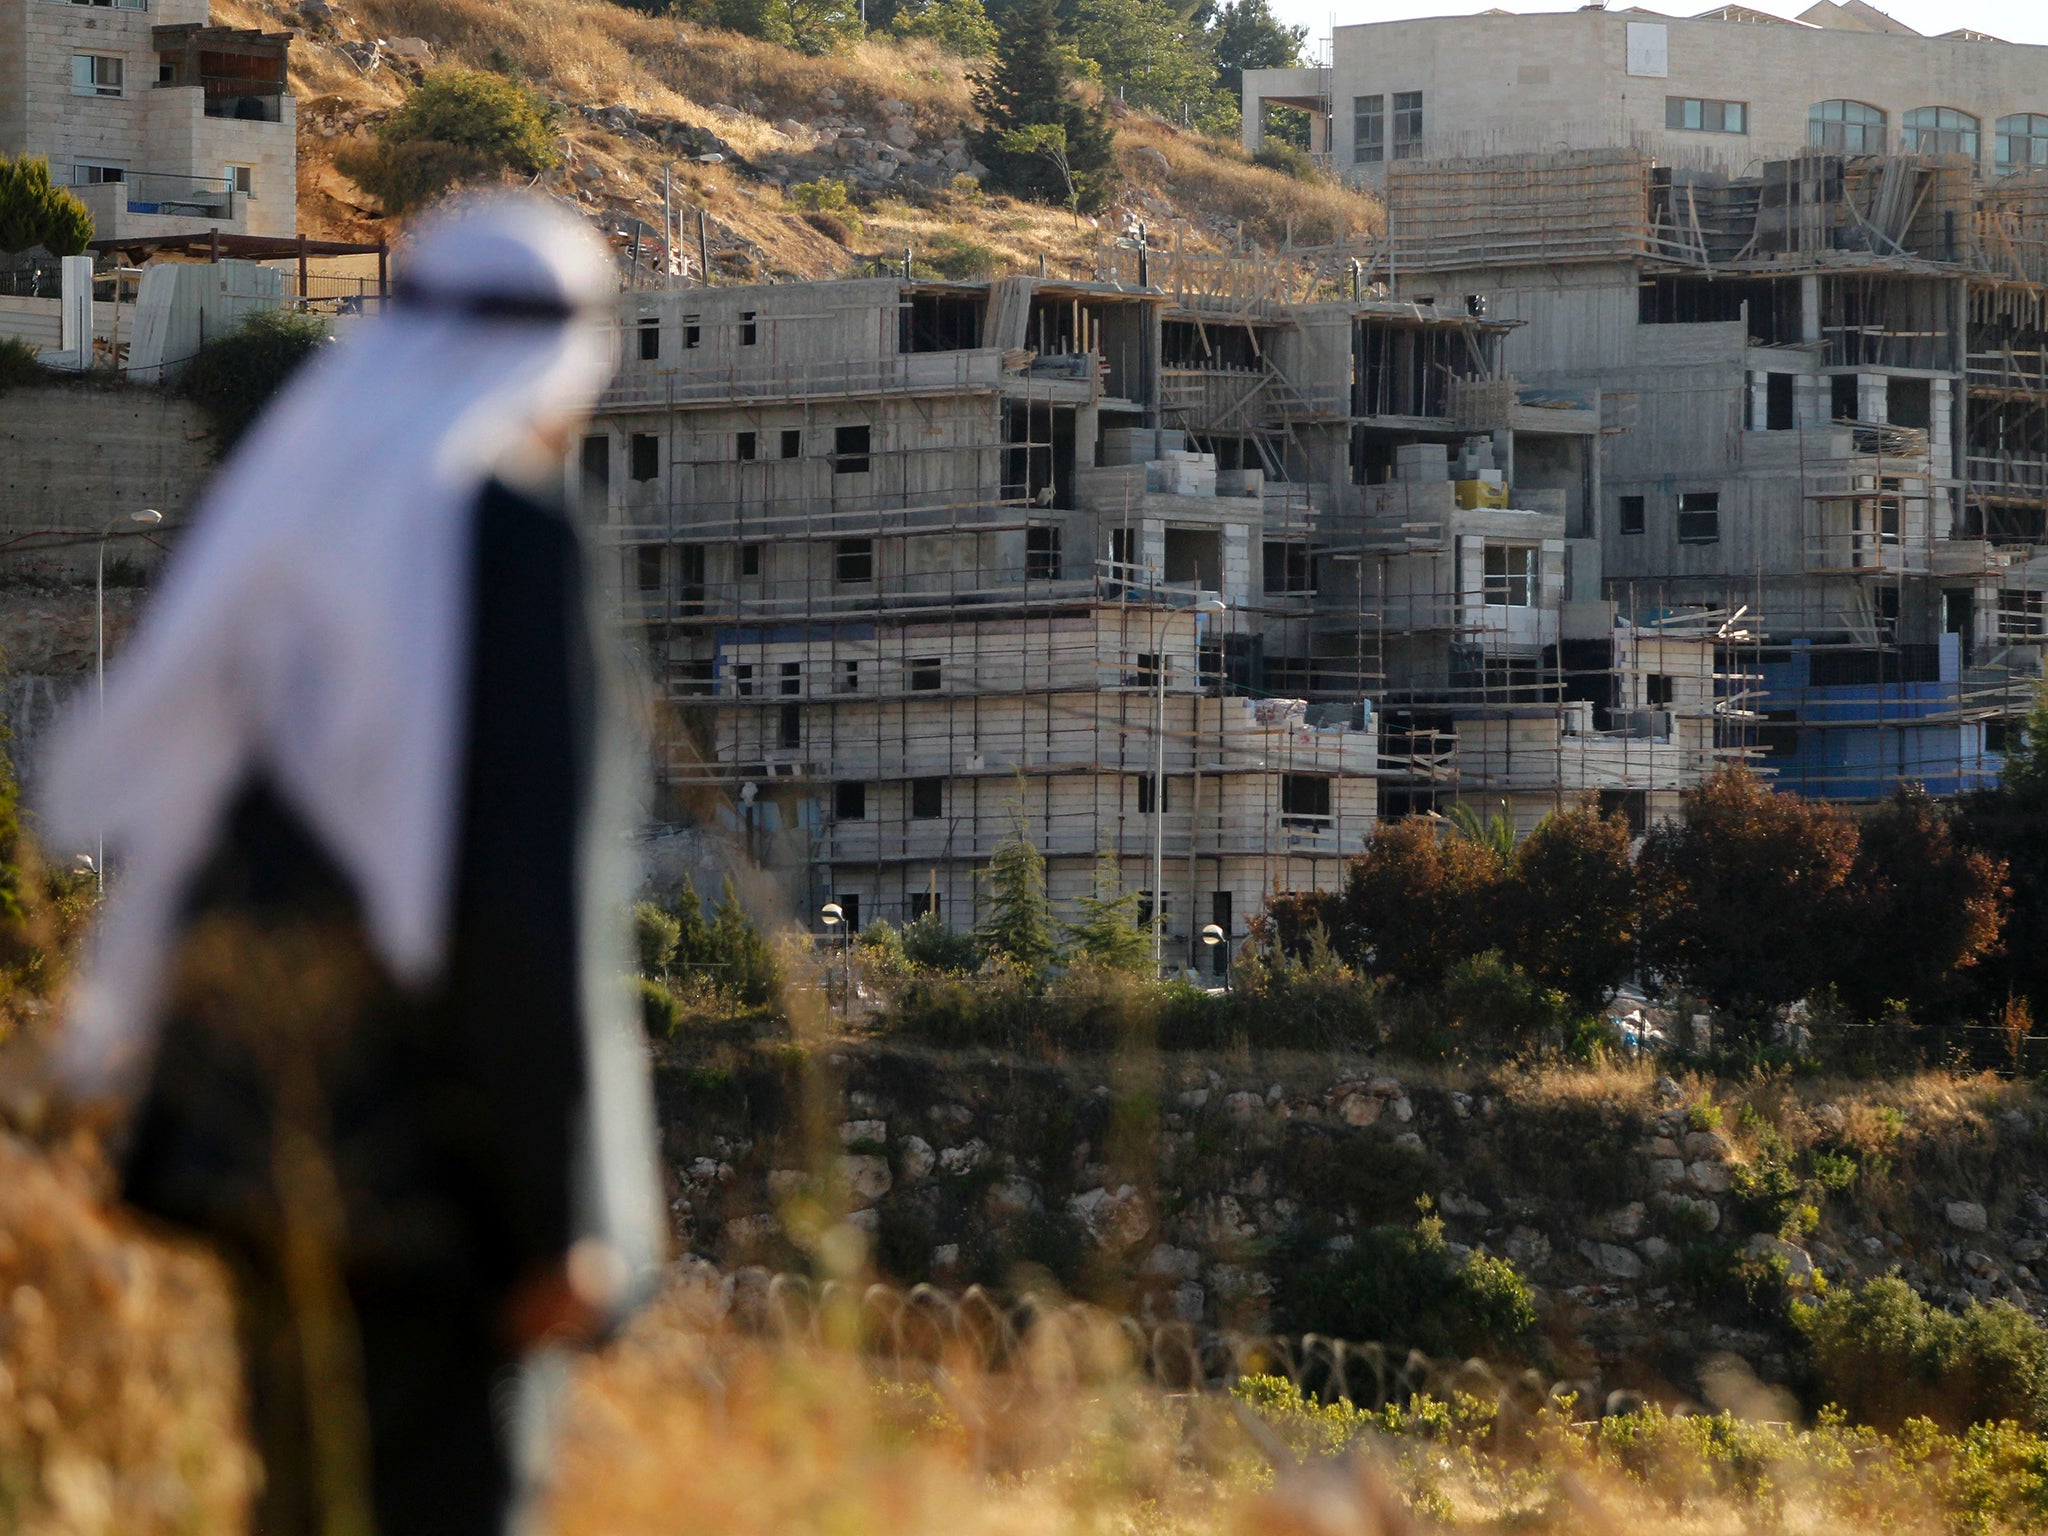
(356, 975)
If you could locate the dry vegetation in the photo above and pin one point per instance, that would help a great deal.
(761, 99)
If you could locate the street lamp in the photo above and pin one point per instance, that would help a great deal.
(1213, 935)
(1207, 605)
(834, 915)
(148, 517)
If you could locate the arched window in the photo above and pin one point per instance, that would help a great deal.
(1940, 131)
(1845, 127)
(2022, 141)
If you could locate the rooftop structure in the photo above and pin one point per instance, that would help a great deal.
(159, 122)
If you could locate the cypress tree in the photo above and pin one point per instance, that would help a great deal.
(1029, 87)
(1019, 926)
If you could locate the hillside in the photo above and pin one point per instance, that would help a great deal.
(639, 93)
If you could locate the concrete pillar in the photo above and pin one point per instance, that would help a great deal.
(75, 313)
(1809, 308)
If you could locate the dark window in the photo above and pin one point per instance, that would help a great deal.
(693, 331)
(1219, 914)
(1145, 910)
(1407, 124)
(1304, 799)
(849, 912)
(925, 674)
(695, 679)
(650, 340)
(597, 472)
(923, 902)
(743, 679)
(789, 728)
(1778, 402)
(792, 677)
(690, 573)
(1632, 804)
(745, 445)
(1778, 734)
(1509, 577)
(1288, 568)
(750, 332)
(1123, 544)
(927, 799)
(1145, 786)
(854, 560)
(792, 443)
(1909, 402)
(1842, 401)
(646, 455)
(1368, 129)
(1657, 690)
(1147, 673)
(1631, 518)
(750, 559)
(1699, 517)
(850, 450)
(849, 677)
(1695, 115)
(649, 562)
(850, 802)
(1042, 554)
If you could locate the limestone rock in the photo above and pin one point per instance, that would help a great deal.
(1461, 1207)
(916, 1158)
(965, 1158)
(852, 1131)
(1966, 1216)
(1358, 1109)
(787, 1183)
(1707, 1144)
(1114, 1220)
(1527, 1247)
(1408, 1141)
(1242, 1106)
(1708, 1177)
(867, 1177)
(1668, 1170)
(1165, 1262)
(1798, 1263)
(1612, 1259)
(1012, 1196)
(1627, 1221)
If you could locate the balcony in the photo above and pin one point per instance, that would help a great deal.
(241, 72)
(198, 197)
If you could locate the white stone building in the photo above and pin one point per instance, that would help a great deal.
(161, 123)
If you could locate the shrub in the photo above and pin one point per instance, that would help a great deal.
(656, 935)
(1418, 901)
(929, 945)
(1400, 1286)
(660, 1012)
(1885, 1354)
(825, 195)
(1496, 1007)
(235, 375)
(830, 225)
(459, 126)
(741, 961)
(960, 26)
(1107, 932)
(1288, 159)
(1571, 901)
(18, 365)
(34, 212)
(958, 260)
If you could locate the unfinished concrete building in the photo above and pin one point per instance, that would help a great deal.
(1822, 390)
(1139, 564)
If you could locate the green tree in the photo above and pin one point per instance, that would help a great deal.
(742, 960)
(1421, 898)
(33, 212)
(1019, 926)
(1572, 904)
(1925, 909)
(1108, 932)
(812, 26)
(459, 126)
(960, 25)
(1743, 898)
(656, 937)
(1245, 34)
(1030, 84)
(1150, 55)
(235, 375)
(930, 945)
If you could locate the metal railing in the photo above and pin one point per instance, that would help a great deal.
(910, 373)
(165, 192)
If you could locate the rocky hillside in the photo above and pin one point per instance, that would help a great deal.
(740, 120)
(1659, 1223)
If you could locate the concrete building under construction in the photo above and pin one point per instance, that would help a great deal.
(1203, 562)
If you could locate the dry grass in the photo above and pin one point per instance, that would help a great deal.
(1218, 182)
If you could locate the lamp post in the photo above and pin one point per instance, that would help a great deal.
(147, 517)
(1213, 935)
(834, 915)
(1208, 605)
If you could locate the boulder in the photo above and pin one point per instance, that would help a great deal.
(1966, 1216)
(1708, 1144)
(1114, 1220)
(1166, 1262)
(1358, 1109)
(965, 1158)
(1151, 160)
(1242, 1106)
(852, 1131)
(1012, 1196)
(866, 1176)
(914, 1156)
(1798, 1263)
(1709, 1178)
(1612, 1259)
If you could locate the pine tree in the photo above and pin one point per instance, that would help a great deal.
(1019, 926)
(1029, 87)
(1109, 933)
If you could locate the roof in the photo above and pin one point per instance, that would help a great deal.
(215, 244)
(1854, 16)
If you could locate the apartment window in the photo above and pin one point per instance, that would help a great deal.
(745, 445)
(1042, 554)
(743, 679)
(854, 560)
(792, 677)
(647, 567)
(596, 465)
(1145, 910)
(789, 728)
(1304, 799)
(848, 679)
(750, 329)
(1632, 805)
(690, 574)
(1940, 131)
(1288, 568)
(1658, 690)
(1696, 114)
(2022, 615)
(96, 74)
(693, 332)
(1845, 127)
(1699, 517)
(1123, 545)
(1778, 412)
(1843, 404)
(850, 802)
(650, 340)
(1510, 575)
(792, 443)
(1630, 518)
(925, 674)
(849, 911)
(646, 455)
(1146, 785)
(243, 179)
(2022, 141)
(84, 175)
(1148, 671)
(924, 904)
(114, 5)
(1368, 129)
(1407, 124)
(850, 446)
(927, 799)
(750, 559)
